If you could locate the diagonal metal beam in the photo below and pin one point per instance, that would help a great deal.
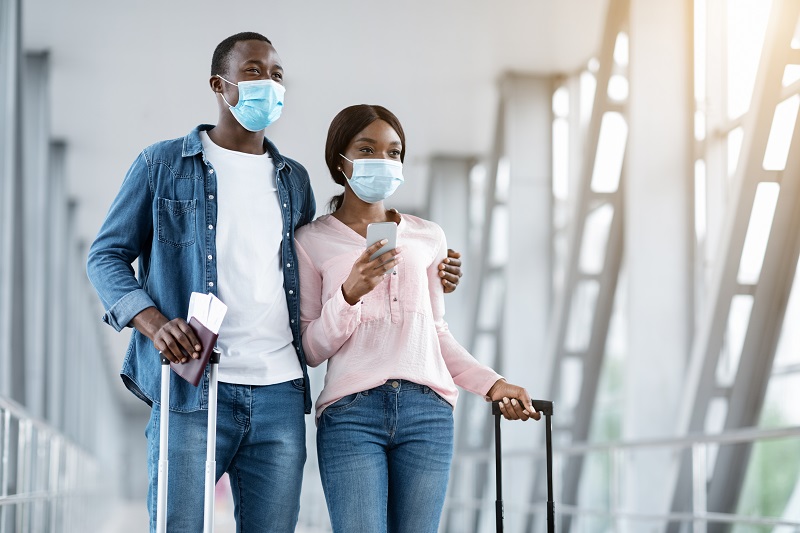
(560, 351)
(744, 399)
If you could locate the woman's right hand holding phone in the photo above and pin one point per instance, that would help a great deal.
(366, 274)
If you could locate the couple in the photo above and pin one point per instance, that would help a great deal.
(222, 211)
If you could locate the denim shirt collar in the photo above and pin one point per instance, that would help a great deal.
(192, 145)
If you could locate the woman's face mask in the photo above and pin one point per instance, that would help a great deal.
(260, 103)
(374, 180)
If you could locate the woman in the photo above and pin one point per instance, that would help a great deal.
(385, 415)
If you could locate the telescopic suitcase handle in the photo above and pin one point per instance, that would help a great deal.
(545, 407)
(211, 447)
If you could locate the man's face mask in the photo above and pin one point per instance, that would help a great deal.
(260, 103)
(374, 180)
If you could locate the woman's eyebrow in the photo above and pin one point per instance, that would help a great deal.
(373, 141)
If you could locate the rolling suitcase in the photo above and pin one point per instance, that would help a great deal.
(545, 408)
(211, 447)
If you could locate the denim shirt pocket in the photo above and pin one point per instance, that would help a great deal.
(176, 221)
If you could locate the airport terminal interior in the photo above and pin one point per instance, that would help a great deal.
(621, 178)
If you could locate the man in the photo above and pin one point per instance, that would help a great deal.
(216, 211)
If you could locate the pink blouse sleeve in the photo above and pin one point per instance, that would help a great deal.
(466, 371)
(324, 326)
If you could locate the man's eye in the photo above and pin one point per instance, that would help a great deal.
(278, 76)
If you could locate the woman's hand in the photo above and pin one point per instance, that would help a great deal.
(366, 274)
(515, 402)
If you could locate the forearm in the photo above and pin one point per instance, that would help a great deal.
(325, 335)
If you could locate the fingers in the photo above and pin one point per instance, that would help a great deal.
(177, 342)
(447, 266)
(450, 271)
(528, 406)
(453, 279)
(374, 248)
(512, 409)
(519, 409)
(392, 256)
(448, 286)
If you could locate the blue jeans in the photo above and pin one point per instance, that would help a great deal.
(384, 459)
(260, 443)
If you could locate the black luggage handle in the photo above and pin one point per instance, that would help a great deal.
(545, 407)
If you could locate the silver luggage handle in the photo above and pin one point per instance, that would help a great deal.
(211, 447)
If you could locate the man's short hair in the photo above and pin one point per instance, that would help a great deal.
(219, 61)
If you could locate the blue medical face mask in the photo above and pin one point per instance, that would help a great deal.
(260, 103)
(374, 180)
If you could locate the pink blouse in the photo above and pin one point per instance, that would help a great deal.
(395, 331)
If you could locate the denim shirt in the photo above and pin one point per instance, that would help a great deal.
(165, 215)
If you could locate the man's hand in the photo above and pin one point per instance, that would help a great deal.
(450, 270)
(515, 402)
(175, 339)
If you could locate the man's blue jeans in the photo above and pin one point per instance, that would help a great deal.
(384, 458)
(260, 443)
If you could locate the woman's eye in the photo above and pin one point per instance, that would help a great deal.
(366, 150)
(395, 153)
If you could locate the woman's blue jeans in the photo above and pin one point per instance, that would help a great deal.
(260, 443)
(384, 458)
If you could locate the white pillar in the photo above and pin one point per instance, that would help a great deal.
(658, 232)
(448, 200)
(528, 148)
(11, 337)
(35, 152)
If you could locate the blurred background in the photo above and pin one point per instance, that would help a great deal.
(622, 178)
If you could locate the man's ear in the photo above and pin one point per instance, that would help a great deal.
(215, 83)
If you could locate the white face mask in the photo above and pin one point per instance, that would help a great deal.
(374, 180)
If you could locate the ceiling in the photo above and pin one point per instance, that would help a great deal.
(127, 74)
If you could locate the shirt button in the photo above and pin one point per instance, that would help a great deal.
(288, 265)
(210, 258)
(210, 196)
(395, 384)
(210, 283)
(395, 299)
(284, 205)
(394, 273)
(287, 233)
(292, 321)
(211, 171)
(210, 226)
(291, 291)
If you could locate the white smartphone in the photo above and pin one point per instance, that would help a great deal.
(377, 231)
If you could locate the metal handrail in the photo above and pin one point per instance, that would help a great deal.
(46, 479)
(698, 443)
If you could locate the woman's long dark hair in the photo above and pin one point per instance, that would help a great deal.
(343, 128)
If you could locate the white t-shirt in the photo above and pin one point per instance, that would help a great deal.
(255, 338)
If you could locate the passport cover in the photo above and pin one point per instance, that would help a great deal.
(192, 370)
